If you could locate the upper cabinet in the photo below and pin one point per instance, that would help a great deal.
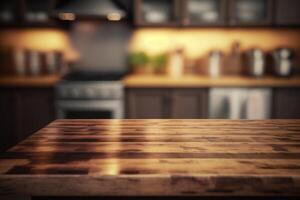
(287, 12)
(204, 12)
(250, 12)
(36, 11)
(157, 12)
(166, 13)
(9, 11)
(19, 13)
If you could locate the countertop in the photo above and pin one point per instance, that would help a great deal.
(29, 81)
(156, 157)
(148, 81)
(162, 81)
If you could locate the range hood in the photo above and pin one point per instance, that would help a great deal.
(105, 9)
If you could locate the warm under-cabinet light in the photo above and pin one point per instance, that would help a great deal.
(67, 16)
(113, 16)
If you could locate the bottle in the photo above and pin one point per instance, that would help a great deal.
(256, 62)
(283, 60)
(19, 61)
(215, 63)
(176, 63)
(235, 59)
(34, 62)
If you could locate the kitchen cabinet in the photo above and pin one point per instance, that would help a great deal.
(24, 111)
(286, 103)
(26, 13)
(38, 12)
(189, 104)
(9, 11)
(204, 12)
(5, 119)
(33, 109)
(250, 12)
(287, 12)
(158, 103)
(147, 104)
(157, 12)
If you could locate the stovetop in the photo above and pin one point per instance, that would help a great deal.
(93, 76)
(81, 85)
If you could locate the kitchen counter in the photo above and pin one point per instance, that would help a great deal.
(27, 81)
(148, 81)
(156, 157)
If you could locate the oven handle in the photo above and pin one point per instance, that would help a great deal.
(115, 106)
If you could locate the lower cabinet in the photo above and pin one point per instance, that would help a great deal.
(147, 103)
(189, 104)
(6, 114)
(159, 103)
(192, 103)
(286, 103)
(23, 112)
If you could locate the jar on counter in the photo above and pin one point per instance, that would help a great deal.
(284, 62)
(19, 61)
(54, 61)
(215, 60)
(34, 62)
(176, 61)
(256, 62)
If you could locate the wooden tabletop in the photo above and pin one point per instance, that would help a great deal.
(150, 81)
(156, 157)
(29, 81)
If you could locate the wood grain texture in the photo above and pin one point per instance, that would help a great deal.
(27, 81)
(190, 81)
(156, 158)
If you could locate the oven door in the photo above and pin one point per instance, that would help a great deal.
(89, 109)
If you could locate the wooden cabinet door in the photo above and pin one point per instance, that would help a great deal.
(157, 12)
(10, 12)
(250, 12)
(23, 112)
(147, 103)
(287, 12)
(6, 131)
(286, 103)
(33, 109)
(204, 13)
(189, 104)
(34, 8)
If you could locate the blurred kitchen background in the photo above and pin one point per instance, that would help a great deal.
(139, 59)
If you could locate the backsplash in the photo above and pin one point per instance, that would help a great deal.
(102, 46)
(39, 40)
(198, 42)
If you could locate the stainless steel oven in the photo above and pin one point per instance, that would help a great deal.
(89, 100)
(92, 109)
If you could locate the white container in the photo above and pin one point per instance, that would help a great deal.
(176, 64)
(34, 64)
(215, 64)
(19, 61)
